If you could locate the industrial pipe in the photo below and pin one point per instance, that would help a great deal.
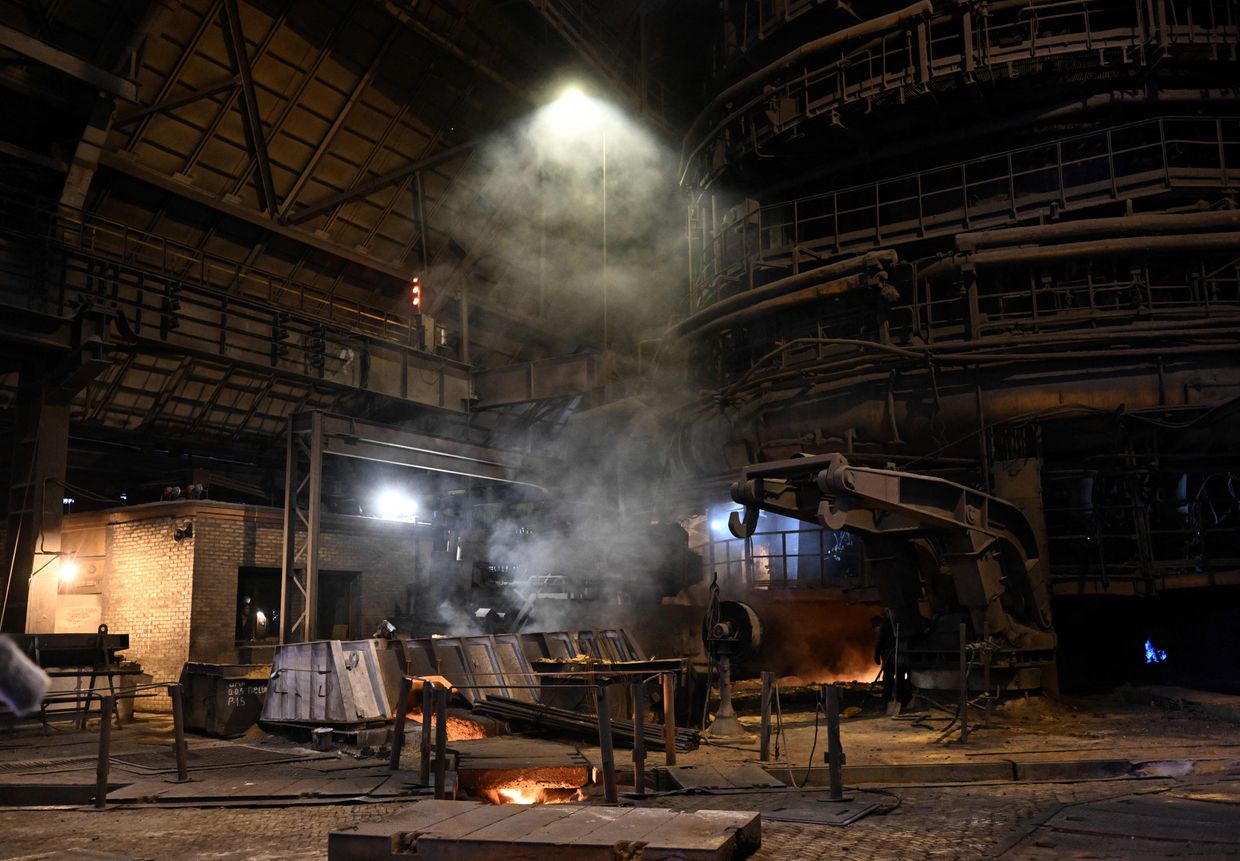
(818, 278)
(1099, 228)
(837, 287)
(1032, 255)
(980, 358)
(932, 413)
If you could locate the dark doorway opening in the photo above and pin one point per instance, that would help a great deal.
(339, 611)
(258, 604)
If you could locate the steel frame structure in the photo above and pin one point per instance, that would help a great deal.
(314, 436)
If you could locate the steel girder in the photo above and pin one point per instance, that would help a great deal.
(316, 435)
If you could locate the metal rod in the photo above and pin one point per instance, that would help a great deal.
(607, 754)
(314, 514)
(669, 718)
(441, 740)
(895, 663)
(428, 706)
(463, 307)
(398, 731)
(835, 751)
(105, 752)
(639, 737)
(764, 746)
(986, 702)
(289, 534)
(964, 688)
(178, 732)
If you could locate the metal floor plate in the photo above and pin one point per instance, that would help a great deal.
(222, 756)
(820, 812)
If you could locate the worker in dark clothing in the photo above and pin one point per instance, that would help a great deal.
(245, 621)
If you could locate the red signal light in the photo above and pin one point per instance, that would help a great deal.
(415, 294)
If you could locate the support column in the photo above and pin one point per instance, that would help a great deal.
(299, 581)
(40, 456)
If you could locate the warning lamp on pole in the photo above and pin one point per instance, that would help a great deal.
(415, 294)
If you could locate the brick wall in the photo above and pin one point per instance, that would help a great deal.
(148, 594)
(386, 556)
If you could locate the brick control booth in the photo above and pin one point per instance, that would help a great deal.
(174, 576)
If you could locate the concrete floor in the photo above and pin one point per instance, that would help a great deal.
(1172, 751)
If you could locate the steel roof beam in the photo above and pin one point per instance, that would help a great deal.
(61, 61)
(326, 141)
(378, 183)
(295, 99)
(255, 138)
(452, 48)
(192, 96)
(174, 74)
(126, 164)
(351, 437)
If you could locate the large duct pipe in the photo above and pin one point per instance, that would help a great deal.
(826, 290)
(1157, 224)
(1034, 255)
(820, 278)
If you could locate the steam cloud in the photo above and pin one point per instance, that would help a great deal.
(527, 222)
(596, 530)
(527, 226)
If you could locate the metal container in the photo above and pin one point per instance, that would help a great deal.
(335, 682)
(223, 699)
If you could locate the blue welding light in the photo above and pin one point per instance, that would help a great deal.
(1153, 655)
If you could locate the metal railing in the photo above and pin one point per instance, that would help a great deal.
(990, 40)
(201, 304)
(1147, 544)
(790, 559)
(1120, 163)
(29, 219)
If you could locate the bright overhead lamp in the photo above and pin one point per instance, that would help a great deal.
(394, 504)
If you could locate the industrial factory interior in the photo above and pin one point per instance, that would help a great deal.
(620, 430)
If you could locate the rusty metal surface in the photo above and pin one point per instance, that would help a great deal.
(1181, 823)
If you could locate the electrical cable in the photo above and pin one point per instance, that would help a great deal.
(779, 724)
(809, 763)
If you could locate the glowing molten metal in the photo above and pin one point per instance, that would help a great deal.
(459, 729)
(525, 791)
